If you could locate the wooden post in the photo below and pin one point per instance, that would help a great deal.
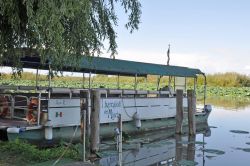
(95, 122)
(178, 148)
(191, 111)
(179, 111)
(191, 148)
(84, 108)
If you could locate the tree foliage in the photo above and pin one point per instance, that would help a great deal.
(62, 30)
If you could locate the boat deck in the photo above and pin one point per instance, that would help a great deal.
(5, 123)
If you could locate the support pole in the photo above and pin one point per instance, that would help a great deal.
(135, 86)
(205, 89)
(118, 81)
(83, 80)
(39, 109)
(195, 81)
(158, 82)
(49, 76)
(191, 112)
(36, 78)
(146, 82)
(179, 111)
(90, 80)
(174, 84)
(95, 122)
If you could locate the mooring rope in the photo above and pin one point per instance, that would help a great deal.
(125, 109)
(69, 144)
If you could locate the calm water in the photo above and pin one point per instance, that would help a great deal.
(216, 144)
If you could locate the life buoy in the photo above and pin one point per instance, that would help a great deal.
(32, 108)
(4, 106)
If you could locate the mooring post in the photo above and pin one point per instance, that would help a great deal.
(95, 121)
(178, 148)
(191, 148)
(84, 108)
(191, 111)
(179, 111)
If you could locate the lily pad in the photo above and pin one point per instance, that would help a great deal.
(214, 151)
(214, 127)
(187, 163)
(210, 157)
(185, 142)
(200, 143)
(239, 131)
(246, 149)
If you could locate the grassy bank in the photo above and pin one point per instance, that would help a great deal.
(21, 153)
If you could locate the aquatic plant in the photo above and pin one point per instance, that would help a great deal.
(28, 153)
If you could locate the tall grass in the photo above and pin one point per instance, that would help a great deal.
(229, 79)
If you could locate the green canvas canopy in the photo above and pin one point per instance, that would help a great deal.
(98, 65)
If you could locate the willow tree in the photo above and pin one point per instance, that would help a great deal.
(62, 30)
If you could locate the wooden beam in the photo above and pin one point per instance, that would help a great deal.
(179, 111)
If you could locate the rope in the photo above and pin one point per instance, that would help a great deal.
(70, 142)
(126, 110)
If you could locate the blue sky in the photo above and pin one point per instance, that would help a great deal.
(212, 35)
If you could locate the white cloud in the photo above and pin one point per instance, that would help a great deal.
(214, 62)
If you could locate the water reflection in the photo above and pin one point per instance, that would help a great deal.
(229, 143)
(229, 103)
(174, 150)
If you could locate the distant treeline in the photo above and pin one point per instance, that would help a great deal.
(214, 80)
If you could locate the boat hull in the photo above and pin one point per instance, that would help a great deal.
(37, 136)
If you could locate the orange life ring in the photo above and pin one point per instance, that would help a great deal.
(4, 106)
(31, 117)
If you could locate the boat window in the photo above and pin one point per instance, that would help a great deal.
(180, 83)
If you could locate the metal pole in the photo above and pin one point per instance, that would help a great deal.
(146, 82)
(185, 84)
(203, 152)
(195, 79)
(205, 89)
(174, 83)
(169, 81)
(118, 81)
(83, 80)
(49, 75)
(39, 109)
(89, 80)
(84, 135)
(135, 86)
(120, 141)
(37, 78)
